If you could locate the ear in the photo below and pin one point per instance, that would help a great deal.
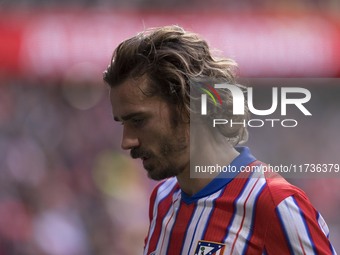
(235, 133)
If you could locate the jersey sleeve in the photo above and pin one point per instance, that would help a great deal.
(298, 228)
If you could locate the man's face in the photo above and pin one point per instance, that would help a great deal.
(151, 131)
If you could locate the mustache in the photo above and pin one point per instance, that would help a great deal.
(140, 153)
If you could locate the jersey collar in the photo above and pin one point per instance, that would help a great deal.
(243, 159)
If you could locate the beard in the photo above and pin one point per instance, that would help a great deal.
(165, 164)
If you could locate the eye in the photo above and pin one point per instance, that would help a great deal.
(137, 122)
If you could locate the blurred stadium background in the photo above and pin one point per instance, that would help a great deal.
(66, 188)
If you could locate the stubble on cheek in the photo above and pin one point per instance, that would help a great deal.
(170, 160)
(172, 154)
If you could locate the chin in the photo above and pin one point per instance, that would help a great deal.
(157, 176)
(161, 174)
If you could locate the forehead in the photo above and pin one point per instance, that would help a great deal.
(130, 90)
(130, 97)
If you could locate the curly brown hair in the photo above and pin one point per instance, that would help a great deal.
(173, 59)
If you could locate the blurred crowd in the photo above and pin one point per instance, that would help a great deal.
(64, 188)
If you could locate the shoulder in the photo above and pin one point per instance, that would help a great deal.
(287, 199)
(164, 189)
(280, 189)
(275, 190)
(294, 225)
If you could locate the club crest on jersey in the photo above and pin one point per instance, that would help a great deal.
(209, 248)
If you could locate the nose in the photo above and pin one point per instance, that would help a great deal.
(129, 140)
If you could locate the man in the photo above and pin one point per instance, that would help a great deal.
(150, 78)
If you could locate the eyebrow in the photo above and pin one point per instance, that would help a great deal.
(128, 116)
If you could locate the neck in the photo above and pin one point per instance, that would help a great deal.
(222, 154)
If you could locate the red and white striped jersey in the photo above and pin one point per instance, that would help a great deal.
(254, 215)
